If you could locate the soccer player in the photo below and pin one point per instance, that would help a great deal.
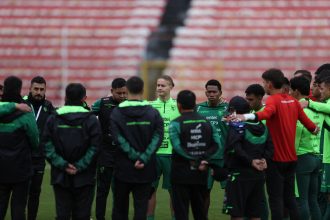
(323, 78)
(254, 94)
(42, 109)
(103, 108)
(214, 109)
(195, 143)
(248, 147)
(72, 139)
(137, 128)
(308, 152)
(281, 113)
(168, 110)
(19, 136)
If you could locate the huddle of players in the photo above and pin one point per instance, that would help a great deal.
(185, 142)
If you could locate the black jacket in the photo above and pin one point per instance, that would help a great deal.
(137, 128)
(247, 141)
(193, 139)
(72, 135)
(18, 135)
(46, 109)
(106, 155)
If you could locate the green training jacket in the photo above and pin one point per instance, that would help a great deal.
(19, 136)
(307, 142)
(325, 130)
(168, 111)
(215, 115)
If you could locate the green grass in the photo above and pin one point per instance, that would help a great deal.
(47, 206)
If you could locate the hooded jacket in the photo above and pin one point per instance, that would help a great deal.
(72, 135)
(247, 141)
(137, 128)
(194, 139)
(19, 136)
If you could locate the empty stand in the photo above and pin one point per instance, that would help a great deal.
(88, 41)
(235, 41)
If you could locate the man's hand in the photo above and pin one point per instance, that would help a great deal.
(234, 117)
(23, 107)
(139, 165)
(259, 164)
(316, 131)
(203, 165)
(71, 169)
(304, 103)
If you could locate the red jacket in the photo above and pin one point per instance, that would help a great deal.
(282, 112)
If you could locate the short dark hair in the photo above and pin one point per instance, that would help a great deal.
(167, 78)
(322, 76)
(135, 85)
(12, 87)
(118, 83)
(187, 99)
(325, 66)
(213, 82)
(304, 73)
(1, 87)
(255, 89)
(74, 93)
(39, 80)
(275, 76)
(301, 84)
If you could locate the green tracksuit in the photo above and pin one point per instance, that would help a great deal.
(168, 111)
(308, 167)
(215, 115)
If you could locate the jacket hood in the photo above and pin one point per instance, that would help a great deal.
(73, 115)
(134, 108)
(11, 116)
(256, 128)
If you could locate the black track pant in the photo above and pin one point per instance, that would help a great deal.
(104, 178)
(196, 195)
(17, 194)
(280, 178)
(34, 194)
(141, 193)
(73, 202)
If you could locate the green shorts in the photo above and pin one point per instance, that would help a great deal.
(325, 182)
(163, 167)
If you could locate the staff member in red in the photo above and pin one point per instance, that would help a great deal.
(282, 113)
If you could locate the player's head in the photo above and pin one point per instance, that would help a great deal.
(324, 84)
(12, 87)
(118, 89)
(239, 104)
(254, 94)
(186, 100)
(213, 91)
(75, 94)
(286, 86)
(303, 73)
(135, 85)
(299, 87)
(164, 86)
(272, 79)
(38, 88)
